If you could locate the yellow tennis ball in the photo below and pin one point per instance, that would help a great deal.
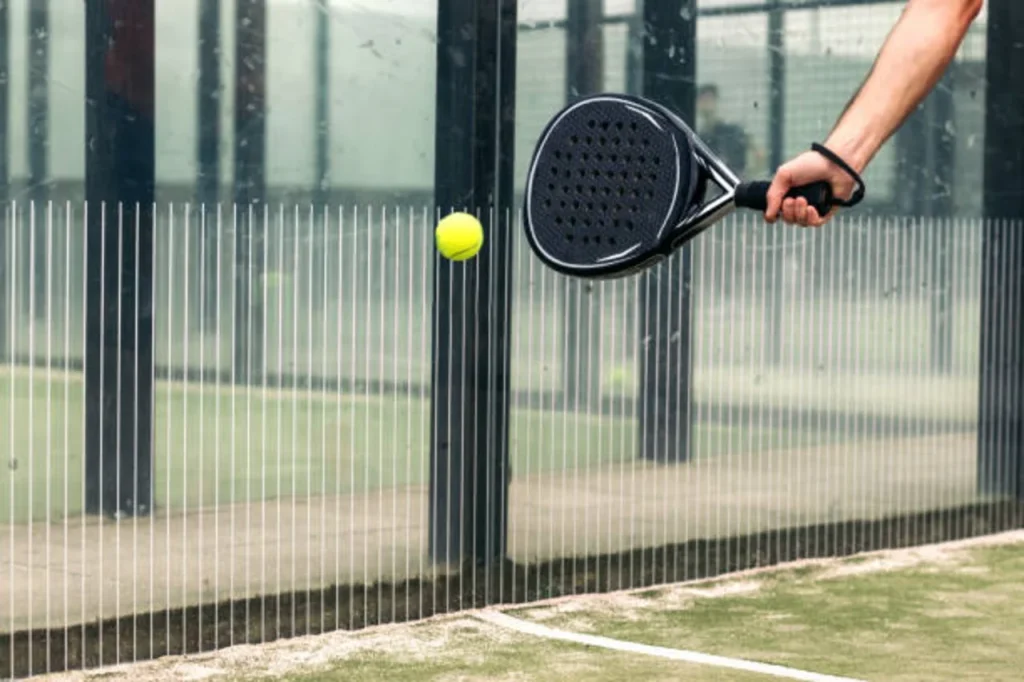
(459, 236)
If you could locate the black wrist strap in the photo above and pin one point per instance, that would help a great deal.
(858, 194)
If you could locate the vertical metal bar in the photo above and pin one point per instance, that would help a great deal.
(942, 164)
(38, 136)
(322, 126)
(208, 151)
(455, 188)
(584, 67)
(473, 172)
(942, 145)
(912, 162)
(322, 121)
(498, 391)
(5, 73)
(120, 163)
(249, 182)
(670, 68)
(776, 157)
(1000, 426)
(635, 53)
(776, 85)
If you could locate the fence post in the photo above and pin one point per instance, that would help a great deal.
(38, 138)
(208, 153)
(119, 163)
(322, 139)
(941, 166)
(472, 307)
(322, 118)
(926, 159)
(249, 184)
(581, 316)
(776, 293)
(1001, 405)
(670, 60)
(7, 219)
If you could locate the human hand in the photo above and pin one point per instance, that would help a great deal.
(805, 169)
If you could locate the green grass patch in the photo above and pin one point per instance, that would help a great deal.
(946, 621)
(479, 660)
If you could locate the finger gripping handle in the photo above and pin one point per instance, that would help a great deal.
(754, 195)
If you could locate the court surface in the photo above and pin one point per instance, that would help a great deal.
(943, 612)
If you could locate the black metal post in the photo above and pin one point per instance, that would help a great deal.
(5, 84)
(499, 336)
(635, 54)
(1001, 410)
(120, 163)
(250, 167)
(776, 85)
(208, 153)
(912, 162)
(322, 120)
(926, 157)
(942, 146)
(942, 163)
(5, 63)
(776, 157)
(584, 57)
(472, 315)
(322, 126)
(670, 63)
(38, 139)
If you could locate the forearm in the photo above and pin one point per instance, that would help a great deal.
(916, 53)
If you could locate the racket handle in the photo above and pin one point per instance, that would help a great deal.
(754, 195)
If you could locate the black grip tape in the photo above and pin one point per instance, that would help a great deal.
(754, 195)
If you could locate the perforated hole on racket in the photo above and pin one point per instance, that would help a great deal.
(617, 183)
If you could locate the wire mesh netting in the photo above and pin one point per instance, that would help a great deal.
(816, 398)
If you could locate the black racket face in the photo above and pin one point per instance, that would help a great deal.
(610, 178)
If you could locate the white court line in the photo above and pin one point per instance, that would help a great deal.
(506, 621)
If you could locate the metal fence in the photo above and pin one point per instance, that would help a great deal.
(287, 487)
(226, 421)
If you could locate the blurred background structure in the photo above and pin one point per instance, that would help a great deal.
(242, 398)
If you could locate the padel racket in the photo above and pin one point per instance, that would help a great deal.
(617, 183)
